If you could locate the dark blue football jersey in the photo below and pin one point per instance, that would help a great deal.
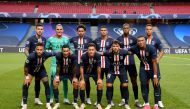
(126, 43)
(117, 61)
(35, 63)
(32, 41)
(155, 42)
(80, 45)
(90, 65)
(66, 63)
(145, 56)
(101, 46)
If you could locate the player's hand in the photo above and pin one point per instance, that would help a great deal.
(110, 50)
(155, 81)
(99, 81)
(157, 60)
(75, 80)
(27, 80)
(56, 80)
(82, 83)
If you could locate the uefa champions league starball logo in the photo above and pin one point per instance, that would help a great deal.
(119, 31)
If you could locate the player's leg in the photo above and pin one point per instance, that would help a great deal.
(160, 103)
(88, 88)
(144, 89)
(65, 90)
(133, 75)
(124, 81)
(56, 91)
(52, 74)
(82, 90)
(25, 88)
(47, 88)
(75, 91)
(109, 87)
(99, 90)
(37, 91)
(156, 90)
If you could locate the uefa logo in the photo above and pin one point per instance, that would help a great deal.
(119, 31)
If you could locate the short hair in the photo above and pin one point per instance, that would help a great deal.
(65, 46)
(126, 24)
(149, 25)
(116, 42)
(58, 25)
(103, 26)
(39, 25)
(39, 44)
(140, 36)
(81, 26)
(91, 45)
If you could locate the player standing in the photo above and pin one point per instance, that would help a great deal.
(154, 41)
(80, 43)
(148, 69)
(34, 67)
(66, 67)
(117, 69)
(103, 43)
(55, 44)
(90, 67)
(128, 41)
(30, 48)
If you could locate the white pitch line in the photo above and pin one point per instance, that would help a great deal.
(177, 57)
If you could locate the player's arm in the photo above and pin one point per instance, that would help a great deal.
(154, 63)
(82, 68)
(26, 70)
(48, 44)
(161, 51)
(27, 46)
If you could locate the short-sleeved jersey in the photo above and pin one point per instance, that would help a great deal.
(55, 44)
(155, 42)
(80, 46)
(117, 62)
(66, 63)
(101, 46)
(90, 65)
(35, 63)
(145, 56)
(32, 41)
(126, 43)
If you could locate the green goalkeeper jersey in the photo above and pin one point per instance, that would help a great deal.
(55, 44)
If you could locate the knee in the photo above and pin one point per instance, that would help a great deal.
(100, 85)
(75, 84)
(82, 85)
(109, 84)
(124, 84)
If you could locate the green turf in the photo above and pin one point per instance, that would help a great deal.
(175, 84)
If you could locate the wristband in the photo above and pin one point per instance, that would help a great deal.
(155, 76)
(27, 77)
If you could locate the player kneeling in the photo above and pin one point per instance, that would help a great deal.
(90, 67)
(34, 67)
(66, 69)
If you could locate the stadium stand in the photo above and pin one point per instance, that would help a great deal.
(172, 8)
(111, 9)
(12, 33)
(177, 35)
(16, 7)
(63, 8)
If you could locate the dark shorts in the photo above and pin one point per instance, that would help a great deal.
(146, 75)
(41, 74)
(122, 77)
(87, 77)
(104, 71)
(131, 69)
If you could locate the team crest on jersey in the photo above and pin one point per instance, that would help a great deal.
(27, 42)
(130, 41)
(147, 53)
(153, 43)
(107, 43)
(85, 41)
(121, 57)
